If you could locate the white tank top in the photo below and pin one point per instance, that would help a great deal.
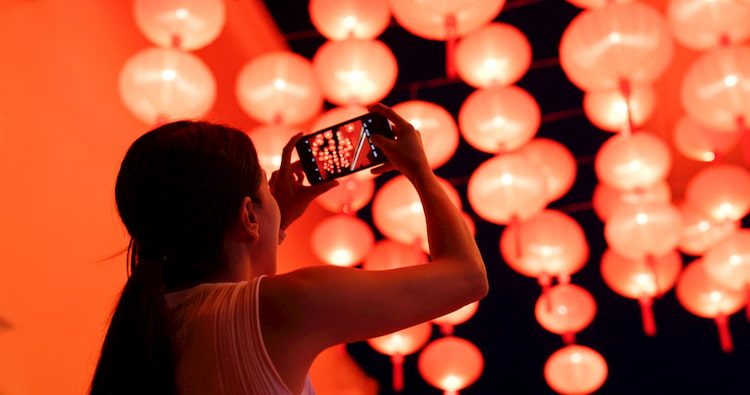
(218, 342)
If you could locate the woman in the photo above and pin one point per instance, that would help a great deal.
(205, 312)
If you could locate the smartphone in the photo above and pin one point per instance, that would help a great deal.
(343, 149)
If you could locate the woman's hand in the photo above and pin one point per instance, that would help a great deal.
(286, 186)
(405, 152)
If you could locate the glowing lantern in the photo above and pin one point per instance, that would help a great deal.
(436, 126)
(397, 211)
(160, 85)
(607, 199)
(269, 141)
(450, 364)
(639, 230)
(338, 20)
(556, 162)
(603, 47)
(355, 71)
(703, 24)
(496, 54)
(595, 3)
(180, 24)
(722, 191)
(716, 89)
(642, 279)
(388, 254)
(499, 119)
(700, 232)
(550, 243)
(613, 111)
(399, 344)
(702, 296)
(728, 262)
(565, 309)
(342, 240)
(699, 143)
(629, 161)
(448, 321)
(350, 195)
(505, 187)
(575, 369)
(442, 20)
(279, 87)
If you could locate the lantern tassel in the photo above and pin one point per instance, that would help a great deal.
(569, 338)
(449, 392)
(626, 92)
(450, 46)
(647, 314)
(397, 360)
(725, 336)
(446, 329)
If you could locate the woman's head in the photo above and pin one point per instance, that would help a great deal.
(179, 190)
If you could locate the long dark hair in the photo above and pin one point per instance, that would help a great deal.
(179, 189)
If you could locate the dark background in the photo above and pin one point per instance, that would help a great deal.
(683, 358)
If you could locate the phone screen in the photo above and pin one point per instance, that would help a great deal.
(343, 149)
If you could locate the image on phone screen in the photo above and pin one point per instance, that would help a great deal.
(343, 149)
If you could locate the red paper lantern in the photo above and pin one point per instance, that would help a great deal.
(397, 211)
(548, 243)
(702, 296)
(427, 19)
(399, 344)
(565, 309)
(699, 143)
(595, 3)
(716, 89)
(556, 162)
(639, 230)
(702, 24)
(700, 232)
(355, 71)
(180, 24)
(728, 262)
(496, 54)
(642, 279)
(499, 119)
(436, 126)
(269, 141)
(279, 87)
(505, 187)
(607, 199)
(448, 321)
(349, 196)
(342, 19)
(722, 191)
(603, 47)
(160, 85)
(575, 370)
(388, 254)
(342, 240)
(630, 161)
(450, 364)
(613, 111)
(336, 115)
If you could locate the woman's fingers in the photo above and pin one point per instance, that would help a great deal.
(397, 120)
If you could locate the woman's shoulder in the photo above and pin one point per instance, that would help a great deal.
(209, 290)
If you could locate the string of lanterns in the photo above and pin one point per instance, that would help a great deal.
(614, 51)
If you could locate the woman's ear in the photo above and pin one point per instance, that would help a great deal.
(248, 221)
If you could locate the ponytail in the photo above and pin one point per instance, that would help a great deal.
(137, 355)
